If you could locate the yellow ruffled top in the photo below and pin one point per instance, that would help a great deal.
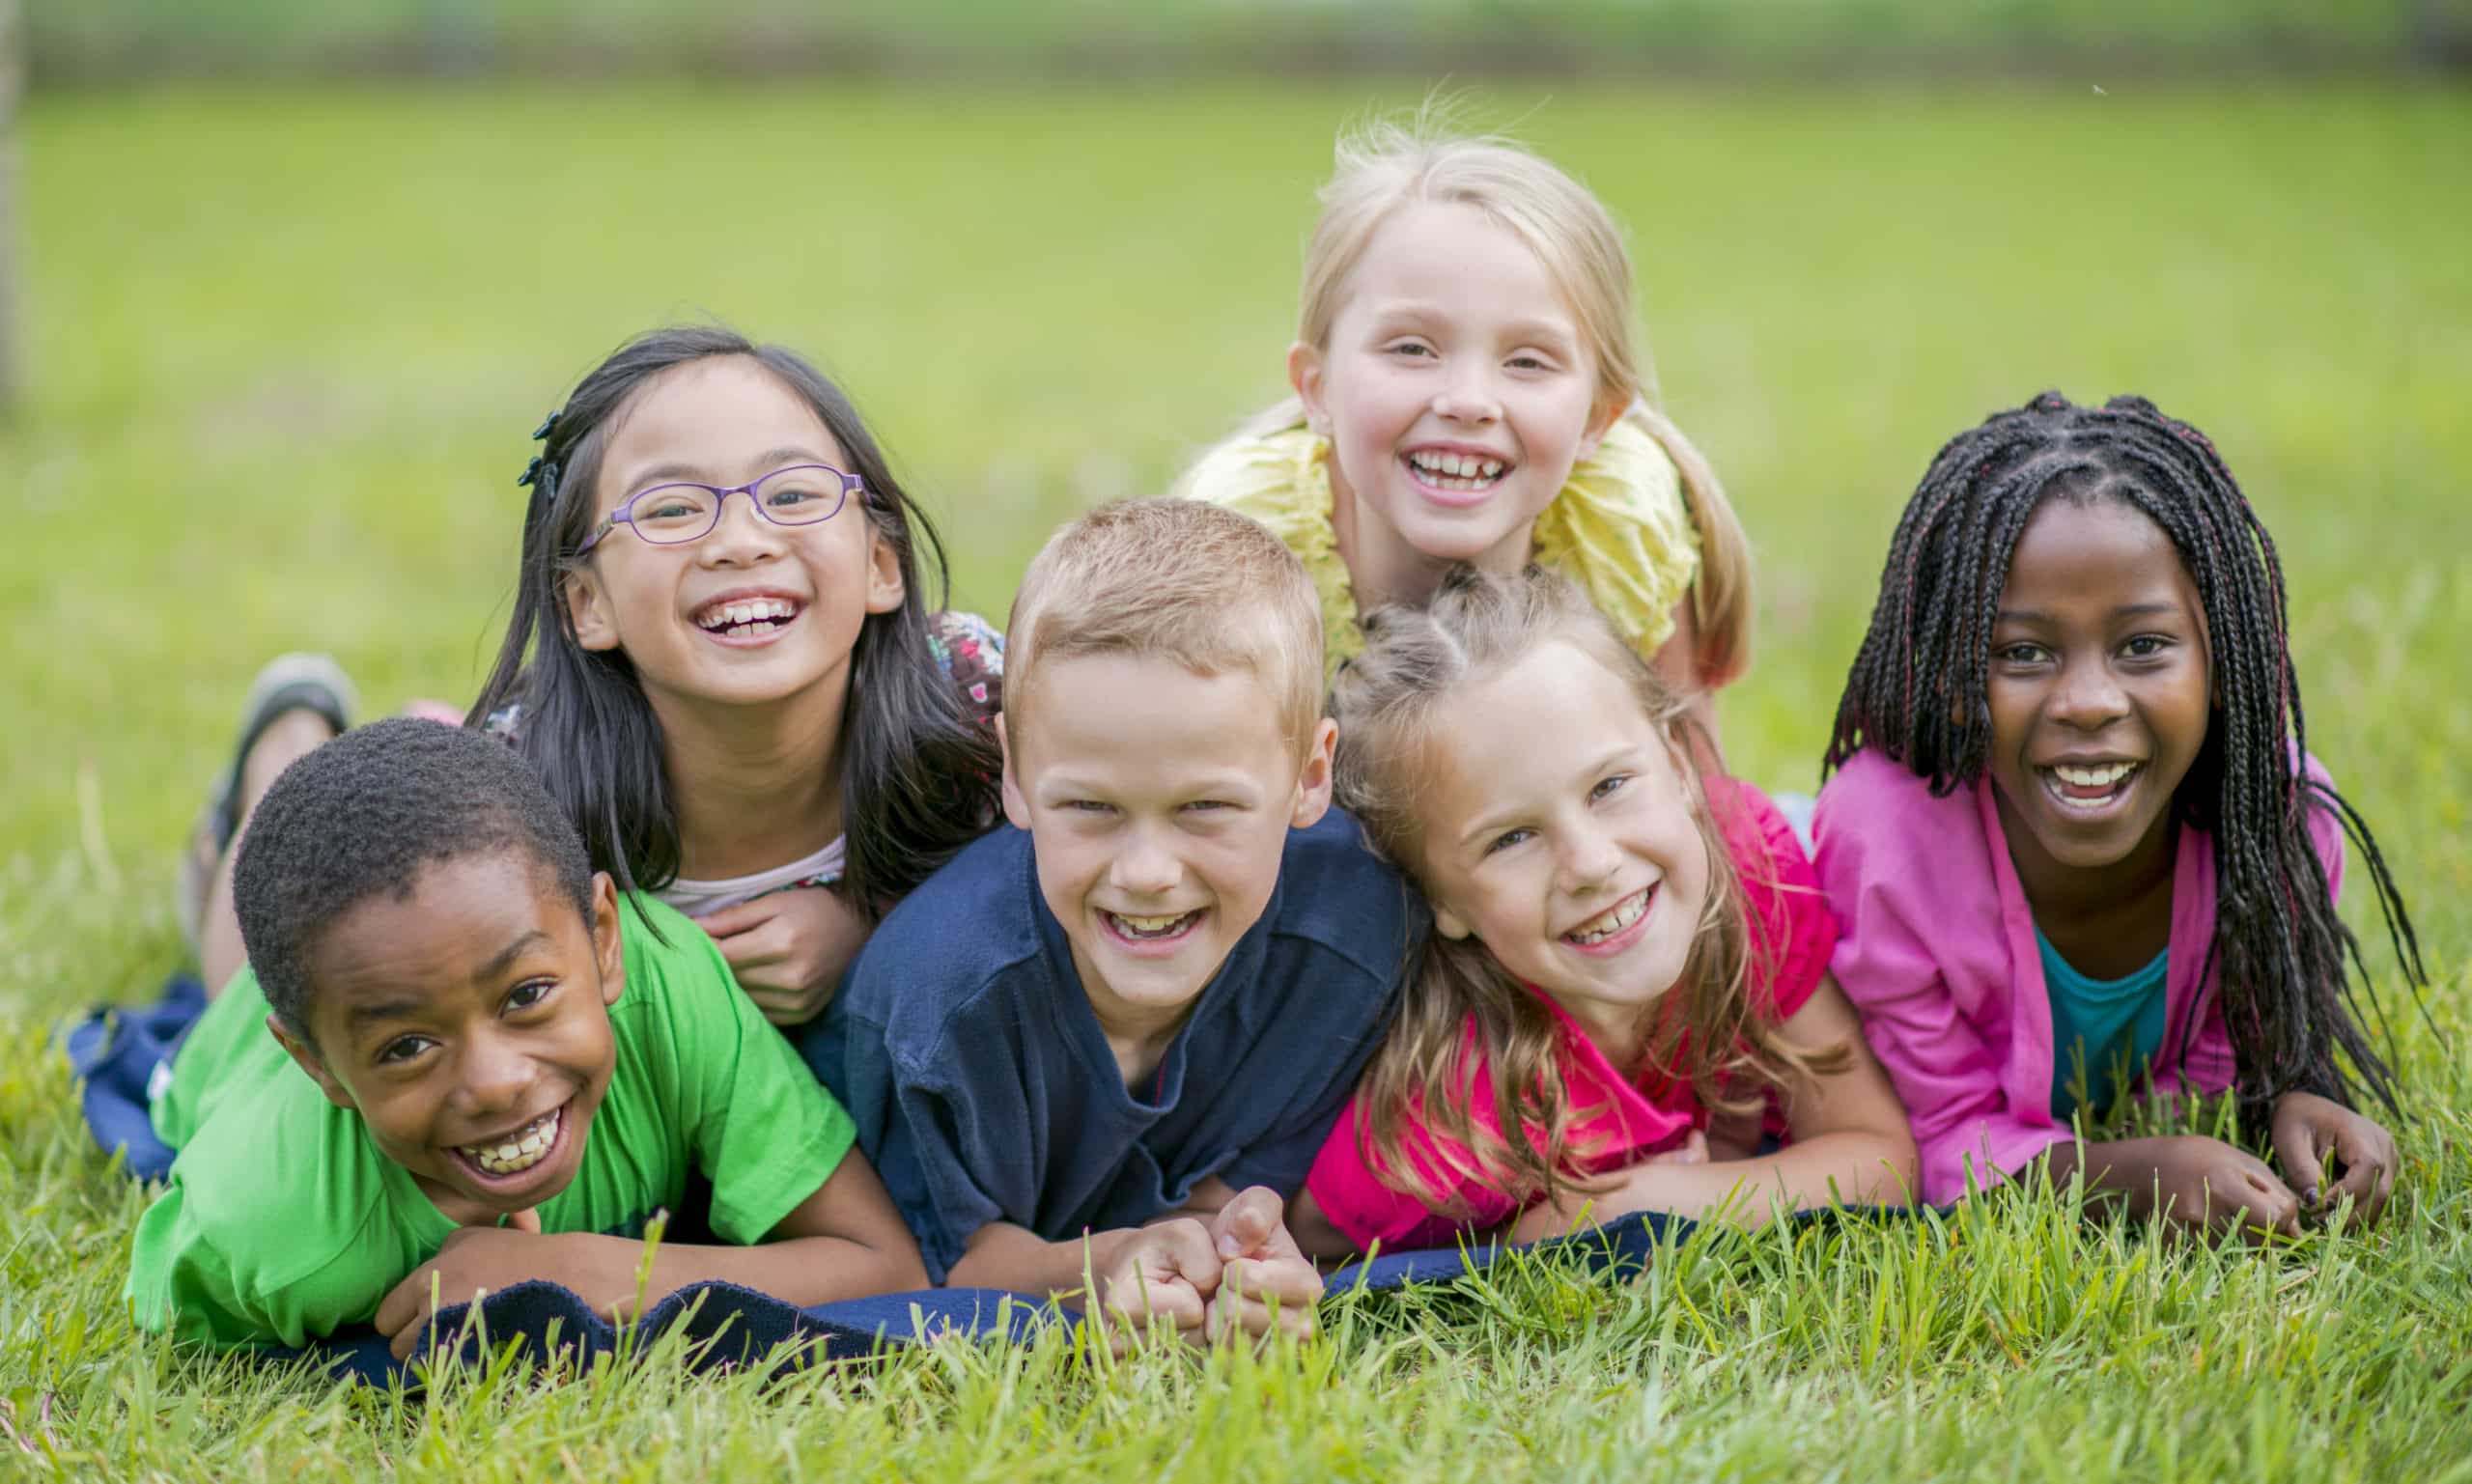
(1621, 527)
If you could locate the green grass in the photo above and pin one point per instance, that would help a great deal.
(284, 352)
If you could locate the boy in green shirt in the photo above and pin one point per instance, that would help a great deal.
(510, 1070)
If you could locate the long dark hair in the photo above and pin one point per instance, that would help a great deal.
(1918, 692)
(918, 776)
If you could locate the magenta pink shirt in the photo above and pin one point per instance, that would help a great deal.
(1939, 956)
(1793, 935)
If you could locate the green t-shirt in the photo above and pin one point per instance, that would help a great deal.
(282, 1222)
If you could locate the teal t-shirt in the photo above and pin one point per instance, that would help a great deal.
(282, 1222)
(2104, 1026)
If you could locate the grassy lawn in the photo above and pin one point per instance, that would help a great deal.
(285, 350)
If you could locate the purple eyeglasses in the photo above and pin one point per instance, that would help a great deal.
(669, 515)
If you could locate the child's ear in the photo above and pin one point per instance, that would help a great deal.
(1313, 783)
(1304, 374)
(306, 1056)
(1600, 422)
(1017, 807)
(1449, 924)
(884, 590)
(608, 949)
(588, 609)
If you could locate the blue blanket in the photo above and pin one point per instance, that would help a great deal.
(122, 1054)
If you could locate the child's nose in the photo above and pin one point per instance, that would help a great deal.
(2087, 695)
(496, 1075)
(741, 534)
(1467, 396)
(1588, 858)
(1146, 865)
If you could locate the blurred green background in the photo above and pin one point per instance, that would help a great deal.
(294, 281)
(284, 334)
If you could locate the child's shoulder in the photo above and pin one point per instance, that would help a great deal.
(1877, 802)
(972, 923)
(1336, 891)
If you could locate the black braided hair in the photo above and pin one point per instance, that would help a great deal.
(1917, 692)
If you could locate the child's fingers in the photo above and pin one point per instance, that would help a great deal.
(2268, 1207)
(730, 921)
(1245, 1224)
(1294, 1282)
(406, 1304)
(2302, 1157)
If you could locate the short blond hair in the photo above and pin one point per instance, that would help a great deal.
(1383, 168)
(1197, 584)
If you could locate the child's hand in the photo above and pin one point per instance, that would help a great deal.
(2308, 1128)
(476, 1261)
(789, 948)
(1263, 1265)
(1166, 1271)
(2205, 1182)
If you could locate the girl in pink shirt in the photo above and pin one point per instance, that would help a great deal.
(2076, 844)
(1617, 954)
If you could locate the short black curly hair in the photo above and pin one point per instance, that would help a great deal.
(361, 816)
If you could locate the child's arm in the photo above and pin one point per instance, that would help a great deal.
(2308, 1128)
(843, 1242)
(1850, 1144)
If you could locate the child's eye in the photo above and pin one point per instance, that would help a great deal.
(1088, 807)
(2145, 646)
(1507, 839)
(792, 497)
(530, 993)
(1525, 361)
(2018, 654)
(1409, 347)
(1607, 786)
(1207, 806)
(401, 1048)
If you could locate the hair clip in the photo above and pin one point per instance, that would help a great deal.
(541, 474)
(542, 432)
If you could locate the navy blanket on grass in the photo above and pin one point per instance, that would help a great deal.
(121, 1056)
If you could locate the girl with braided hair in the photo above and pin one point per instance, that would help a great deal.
(2076, 843)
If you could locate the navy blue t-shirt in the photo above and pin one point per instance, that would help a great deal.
(983, 1087)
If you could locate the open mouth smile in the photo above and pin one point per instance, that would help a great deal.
(1616, 928)
(2088, 787)
(748, 618)
(1453, 474)
(1150, 932)
(505, 1156)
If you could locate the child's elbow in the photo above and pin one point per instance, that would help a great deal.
(1899, 1165)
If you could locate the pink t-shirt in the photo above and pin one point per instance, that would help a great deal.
(1792, 936)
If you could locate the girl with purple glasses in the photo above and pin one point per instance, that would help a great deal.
(722, 661)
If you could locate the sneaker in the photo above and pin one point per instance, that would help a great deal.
(299, 681)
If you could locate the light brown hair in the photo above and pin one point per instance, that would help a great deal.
(1202, 586)
(1387, 166)
(1708, 1032)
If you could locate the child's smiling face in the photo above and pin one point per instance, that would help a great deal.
(724, 421)
(1457, 389)
(2099, 684)
(1160, 802)
(1559, 832)
(465, 1019)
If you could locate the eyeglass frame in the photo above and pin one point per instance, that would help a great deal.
(625, 514)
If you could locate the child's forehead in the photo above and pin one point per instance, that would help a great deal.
(715, 414)
(454, 924)
(1113, 708)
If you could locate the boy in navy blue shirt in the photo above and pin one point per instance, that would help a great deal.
(1093, 1054)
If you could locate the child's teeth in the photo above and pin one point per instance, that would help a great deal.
(2093, 777)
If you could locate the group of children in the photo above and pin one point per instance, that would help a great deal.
(1338, 853)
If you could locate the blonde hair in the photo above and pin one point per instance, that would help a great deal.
(1388, 702)
(1386, 167)
(1202, 586)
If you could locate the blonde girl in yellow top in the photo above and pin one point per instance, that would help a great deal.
(1467, 391)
